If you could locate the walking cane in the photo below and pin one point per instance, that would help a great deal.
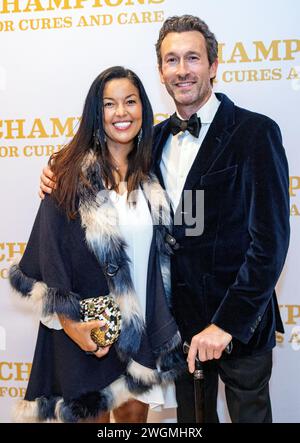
(198, 376)
(199, 396)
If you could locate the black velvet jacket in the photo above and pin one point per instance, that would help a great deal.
(227, 275)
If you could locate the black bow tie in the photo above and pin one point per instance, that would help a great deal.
(193, 125)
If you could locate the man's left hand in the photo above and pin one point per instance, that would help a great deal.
(208, 345)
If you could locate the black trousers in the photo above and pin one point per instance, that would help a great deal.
(246, 382)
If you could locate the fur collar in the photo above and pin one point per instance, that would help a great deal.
(100, 221)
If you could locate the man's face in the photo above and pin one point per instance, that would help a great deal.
(185, 70)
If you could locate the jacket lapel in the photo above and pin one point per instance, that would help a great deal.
(214, 142)
(161, 134)
(212, 146)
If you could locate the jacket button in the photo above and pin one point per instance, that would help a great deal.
(171, 241)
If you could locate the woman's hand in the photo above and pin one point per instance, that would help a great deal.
(80, 333)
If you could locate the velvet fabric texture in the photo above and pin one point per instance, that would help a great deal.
(227, 275)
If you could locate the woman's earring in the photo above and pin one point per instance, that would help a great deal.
(96, 137)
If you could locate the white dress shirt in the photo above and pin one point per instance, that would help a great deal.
(180, 152)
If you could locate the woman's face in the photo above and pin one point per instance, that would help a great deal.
(122, 111)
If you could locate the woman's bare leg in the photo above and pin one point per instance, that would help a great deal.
(133, 411)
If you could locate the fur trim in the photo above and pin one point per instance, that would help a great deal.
(132, 324)
(129, 307)
(25, 412)
(137, 387)
(39, 291)
(142, 373)
(91, 404)
(57, 410)
(20, 282)
(46, 408)
(62, 302)
(53, 300)
(117, 392)
(159, 201)
(165, 268)
(88, 405)
(172, 364)
(26, 287)
(161, 215)
(100, 220)
(129, 340)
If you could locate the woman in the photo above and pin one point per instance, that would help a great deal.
(101, 232)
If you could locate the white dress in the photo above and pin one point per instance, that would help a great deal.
(135, 224)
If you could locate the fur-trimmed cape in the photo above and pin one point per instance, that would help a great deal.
(68, 260)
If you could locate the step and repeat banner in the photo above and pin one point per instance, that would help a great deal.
(51, 51)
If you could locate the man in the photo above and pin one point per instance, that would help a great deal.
(224, 277)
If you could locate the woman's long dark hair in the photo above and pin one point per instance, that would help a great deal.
(67, 163)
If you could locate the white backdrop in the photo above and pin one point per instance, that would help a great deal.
(51, 50)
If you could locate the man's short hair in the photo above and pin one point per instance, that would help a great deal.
(185, 23)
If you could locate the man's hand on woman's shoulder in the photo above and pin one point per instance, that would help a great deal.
(47, 182)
